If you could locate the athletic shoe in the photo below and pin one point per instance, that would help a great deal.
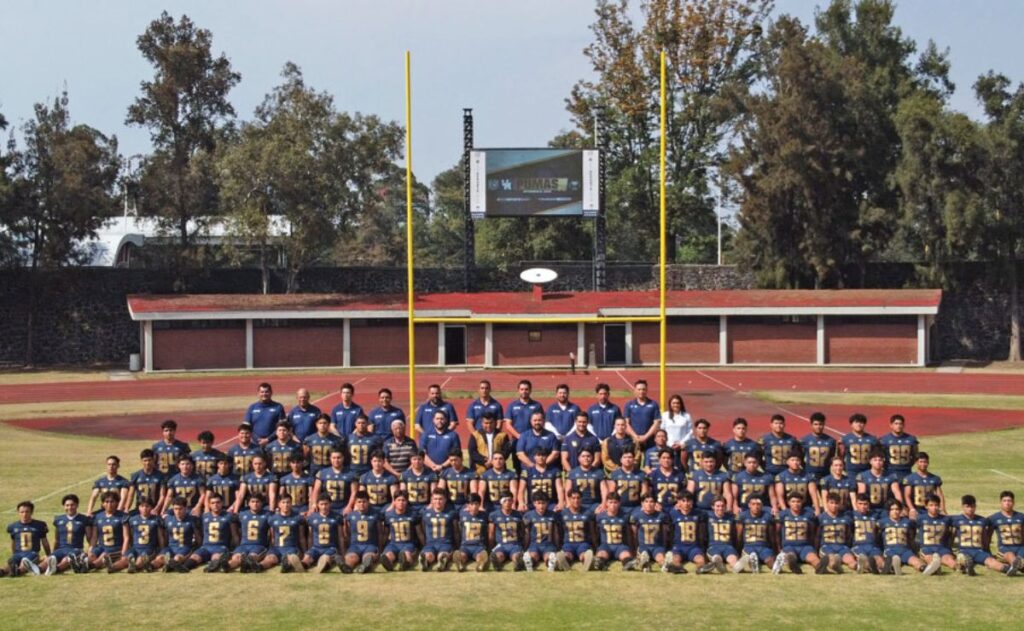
(665, 565)
(754, 563)
(561, 562)
(518, 564)
(131, 565)
(323, 564)
(424, 564)
(707, 568)
(643, 561)
(873, 565)
(482, 559)
(83, 563)
(286, 567)
(933, 566)
(386, 562)
(600, 565)
(365, 564)
(794, 564)
(887, 565)
(29, 566)
(211, 567)
(1011, 570)
(551, 562)
(168, 559)
(76, 563)
(630, 565)
(822, 567)
(345, 568)
(779, 562)
(719, 563)
(528, 562)
(12, 568)
(443, 559)
(677, 569)
(107, 562)
(461, 559)
(897, 565)
(835, 563)
(51, 565)
(493, 557)
(742, 563)
(587, 560)
(296, 563)
(862, 564)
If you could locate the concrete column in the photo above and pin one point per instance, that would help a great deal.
(629, 343)
(488, 345)
(346, 342)
(248, 344)
(723, 340)
(922, 340)
(821, 339)
(440, 343)
(581, 343)
(147, 345)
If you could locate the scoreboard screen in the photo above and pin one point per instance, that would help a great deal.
(528, 182)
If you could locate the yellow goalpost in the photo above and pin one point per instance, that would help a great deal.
(413, 320)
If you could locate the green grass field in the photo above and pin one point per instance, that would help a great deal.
(982, 463)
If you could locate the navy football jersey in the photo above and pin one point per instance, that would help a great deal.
(576, 525)
(438, 526)
(921, 486)
(495, 484)
(110, 530)
(71, 531)
(845, 487)
(687, 528)
(217, 528)
(857, 452)
(629, 485)
(650, 528)
(323, 531)
(206, 461)
(506, 527)
(749, 485)
(968, 532)
(297, 488)
(473, 528)
(284, 529)
(818, 452)
(181, 534)
(736, 452)
(28, 537)
(756, 529)
(401, 526)
(145, 531)
(834, 530)
(147, 485)
(666, 485)
(798, 482)
(242, 457)
(588, 483)
(378, 487)
(280, 454)
(167, 455)
(359, 450)
(877, 487)
(900, 453)
(258, 484)
(896, 534)
(695, 450)
(611, 529)
(457, 484)
(191, 488)
(363, 527)
(708, 486)
(337, 485)
(1009, 529)
(537, 481)
(115, 484)
(720, 529)
(540, 529)
(254, 528)
(796, 528)
(320, 448)
(777, 450)
(865, 528)
(932, 531)
(418, 485)
(224, 485)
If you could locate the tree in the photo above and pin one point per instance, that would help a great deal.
(319, 170)
(712, 58)
(186, 109)
(8, 253)
(63, 188)
(440, 237)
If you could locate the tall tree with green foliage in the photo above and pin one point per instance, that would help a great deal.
(712, 58)
(319, 170)
(186, 109)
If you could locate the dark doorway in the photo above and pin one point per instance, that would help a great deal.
(615, 343)
(454, 345)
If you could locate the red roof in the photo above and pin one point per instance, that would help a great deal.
(554, 303)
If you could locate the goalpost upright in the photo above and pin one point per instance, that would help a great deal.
(413, 320)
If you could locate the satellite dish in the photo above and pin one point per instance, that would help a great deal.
(538, 275)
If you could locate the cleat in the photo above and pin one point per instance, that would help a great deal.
(897, 566)
(365, 564)
(600, 565)
(630, 565)
(794, 564)
(482, 560)
(561, 563)
(743, 563)
(517, 562)
(587, 560)
(495, 563)
(862, 564)
(707, 568)
(296, 563)
(822, 567)
(1011, 570)
(551, 562)
(29, 567)
(338, 560)
(643, 560)
(961, 563)
(754, 563)
(83, 563)
(51, 565)
(970, 567)
(528, 562)
(719, 563)
(75, 562)
(779, 562)
(286, 568)
(323, 564)
(1019, 564)
(665, 566)
(131, 565)
(386, 561)
(345, 568)
(443, 560)
(835, 563)
(107, 562)
(873, 565)
(887, 565)
(933, 566)
(461, 559)
(211, 567)
(168, 560)
(424, 564)
(12, 568)
(677, 569)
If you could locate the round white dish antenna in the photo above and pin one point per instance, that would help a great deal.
(538, 275)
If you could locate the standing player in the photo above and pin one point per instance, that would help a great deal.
(919, 485)
(687, 534)
(650, 531)
(264, 414)
(382, 415)
(1008, 525)
(613, 535)
(324, 536)
(796, 537)
(578, 528)
(259, 480)
(643, 415)
(588, 481)
(483, 404)
(866, 532)
(343, 415)
(541, 534)
(182, 532)
(337, 483)
(282, 449)
(540, 478)
(28, 539)
(400, 550)
(317, 447)
(835, 532)
(505, 530)
(254, 537)
(110, 535)
(756, 534)
(878, 485)
(579, 439)
(933, 538)
(206, 457)
(169, 449)
(701, 443)
(603, 413)
(220, 530)
(287, 539)
(858, 445)
(561, 415)
(739, 447)
(839, 483)
(751, 482)
(972, 533)
(146, 483)
(70, 533)
(111, 481)
(721, 537)
(629, 482)
(459, 481)
(435, 403)
(188, 484)
(665, 481)
(243, 453)
(518, 412)
(900, 447)
(147, 538)
(497, 481)
(708, 483)
(472, 535)
(361, 443)
(418, 482)
(818, 447)
(778, 445)
(297, 485)
(303, 416)
(795, 480)
(379, 487)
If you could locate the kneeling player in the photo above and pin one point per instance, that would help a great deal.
(324, 536)
(613, 535)
(254, 527)
(972, 538)
(70, 532)
(400, 551)
(649, 531)
(896, 531)
(110, 537)
(472, 535)
(577, 525)
(541, 534)
(28, 538)
(362, 532)
(287, 537)
(756, 533)
(506, 533)
(438, 532)
(796, 526)
(721, 531)
(1008, 525)
(933, 534)
(147, 536)
(687, 534)
(834, 535)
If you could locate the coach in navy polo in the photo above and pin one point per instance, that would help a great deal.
(382, 415)
(535, 438)
(520, 411)
(441, 445)
(578, 440)
(602, 414)
(343, 415)
(562, 413)
(303, 416)
(483, 403)
(643, 415)
(264, 414)
(425, 412)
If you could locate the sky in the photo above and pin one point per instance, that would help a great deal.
(514, 63)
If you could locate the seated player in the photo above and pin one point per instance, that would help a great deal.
(752, 482)
(588, 479)
(438, 532)
(897, 533)
(111, 481)
(578, 531)
(70, 532)
(188, 484)
(223, 483)
(756, 534)
(650, 530)
(418, 482)
(147, 538)
(182, 531)
(721, 540)
(253, 541)
(737, 448)
(541, 534)
(700, 443)
(110, 535)
(283, 448)
(219, 530)
(472, 535)
(207, 456)
(620, 442)
(709, 482)
(259, 480)
(665, 480)
(687, 534)
(243, 453)
(379, 485)
(1008, 525)
(818, 447)
(629, 482)
(169, 449)
(796, 538)
(919, 485)
(459, 481)
(400, 551)
(839, 483)
(858, 445)
(317, 447)
(287, 539)
(337, 483)
(879, 485)
(900, 447)
(324, 536)
(613, 535)
(147, 483)
(835, 532)
(297, 485)
(778, 445)
(540, 478)
(362, 533)
(933, 534)
(795, 480)
(505, 530)
(579, 440)
(28, 539)
(496, 481)
(866, 536)
(972, 534)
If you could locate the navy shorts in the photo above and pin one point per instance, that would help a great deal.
(362, 548)
(868, 549)
(576, 549)
(835, 548)
(976, 554)
(62, 553)
(254, 549)
(688, 552)
(615, 550)
(437, 548)
(651, 550)
(542, 548)
(398, 548)
(1017, 551)
(206, 552)
(472, 549)
(108, 550)
(722, 550)
(903, 552)
(137, 551)
(508, 549)
(318, 551)
(30, 555)
(801, 552)
(281, 553)
(762, 551)
(939, 550)
(178, 551)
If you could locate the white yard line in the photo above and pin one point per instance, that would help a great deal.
(57, 492)
(1007, 475)
(718, 381)
(624, 379)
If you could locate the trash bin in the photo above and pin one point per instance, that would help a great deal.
(135, 362)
